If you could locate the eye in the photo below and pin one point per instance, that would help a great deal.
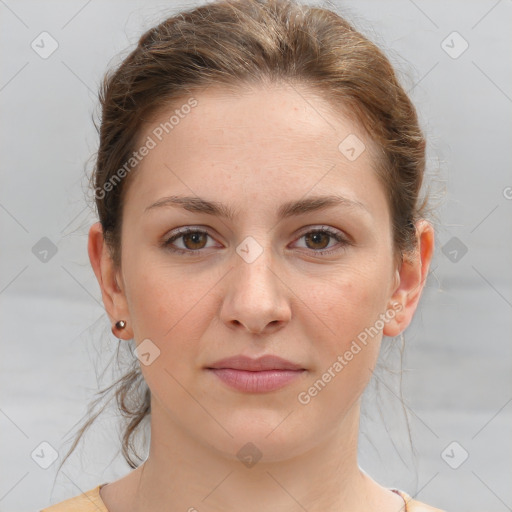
(192, 240)
(319, 239)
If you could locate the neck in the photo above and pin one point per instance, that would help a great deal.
(183, 473)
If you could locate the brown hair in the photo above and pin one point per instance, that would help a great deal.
(232, 43)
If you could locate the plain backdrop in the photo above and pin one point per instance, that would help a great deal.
(453, 58)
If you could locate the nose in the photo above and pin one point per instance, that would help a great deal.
(256, 298)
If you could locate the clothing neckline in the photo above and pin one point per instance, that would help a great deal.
(400, 493)
(404, 496)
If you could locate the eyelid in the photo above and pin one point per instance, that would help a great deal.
(319, 227)
(186, 229)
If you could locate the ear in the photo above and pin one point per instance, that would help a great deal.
(411, 279)
(107, 275)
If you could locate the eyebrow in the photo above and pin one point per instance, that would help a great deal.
(289, 209)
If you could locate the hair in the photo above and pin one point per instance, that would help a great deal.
(233, 44)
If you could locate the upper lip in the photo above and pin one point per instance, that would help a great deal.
(263, 363)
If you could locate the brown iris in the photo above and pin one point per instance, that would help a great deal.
(316, 238)
(195, 239)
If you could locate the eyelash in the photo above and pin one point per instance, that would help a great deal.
(190, 252)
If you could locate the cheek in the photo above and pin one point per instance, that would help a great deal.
(169, 309)
(164, 303)
(172, 307)
(346, 352)
(346, 302)
(345, 342)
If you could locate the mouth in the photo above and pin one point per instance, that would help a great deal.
(256, 381)
(262, 375)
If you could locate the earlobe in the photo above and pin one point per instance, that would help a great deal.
(113, 296)
(412, 277)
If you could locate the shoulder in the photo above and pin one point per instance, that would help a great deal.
(89, 501)
(415, 506)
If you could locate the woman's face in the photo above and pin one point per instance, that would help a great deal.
(258, 281)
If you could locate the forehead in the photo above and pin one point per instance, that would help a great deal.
(283, 113)
(251, 138)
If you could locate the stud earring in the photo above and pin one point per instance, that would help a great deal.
(120, 324)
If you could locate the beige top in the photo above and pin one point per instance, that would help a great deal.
(91, 501)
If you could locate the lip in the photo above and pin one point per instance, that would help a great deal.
(268, 362)
(265, 374)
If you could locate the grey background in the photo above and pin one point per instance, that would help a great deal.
(56, 338)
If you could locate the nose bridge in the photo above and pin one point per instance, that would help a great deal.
(254, 269)
(255, 297)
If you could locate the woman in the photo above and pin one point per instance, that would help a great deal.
(260, 230)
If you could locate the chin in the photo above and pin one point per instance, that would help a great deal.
(264, 436)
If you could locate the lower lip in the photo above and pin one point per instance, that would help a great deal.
(256, 382)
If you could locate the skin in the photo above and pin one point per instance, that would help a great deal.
(253, 151)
